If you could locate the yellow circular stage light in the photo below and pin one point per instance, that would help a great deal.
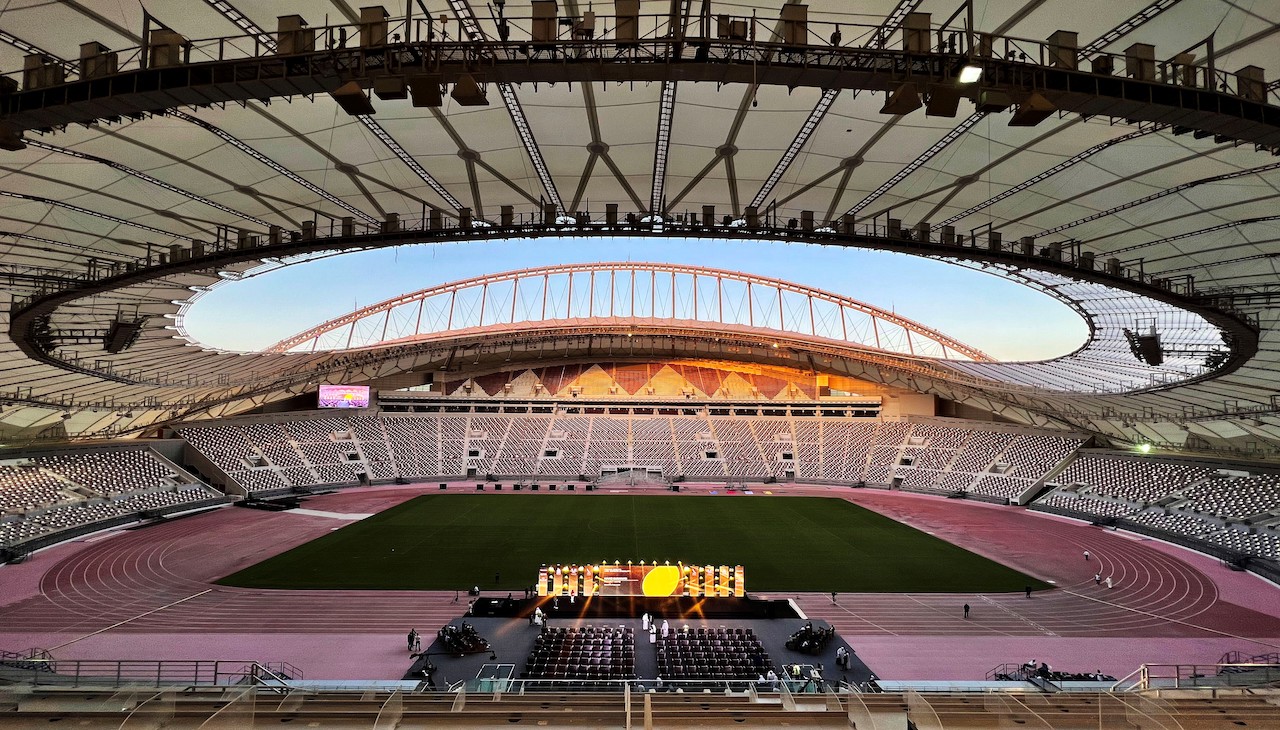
(661, 581)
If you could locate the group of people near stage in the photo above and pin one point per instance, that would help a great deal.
(462, 639)
(1041, 670)
(809, 640)
(650, 626)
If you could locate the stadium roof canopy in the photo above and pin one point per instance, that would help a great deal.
(1138, 174)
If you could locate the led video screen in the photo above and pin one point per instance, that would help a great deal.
(344, 396)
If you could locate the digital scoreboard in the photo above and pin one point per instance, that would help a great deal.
(344, 396)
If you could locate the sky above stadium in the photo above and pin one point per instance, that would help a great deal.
(1006, 320)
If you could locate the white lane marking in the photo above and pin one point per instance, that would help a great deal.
(122, 623)
(348, 516)
(1015, 614)
(1172, 620)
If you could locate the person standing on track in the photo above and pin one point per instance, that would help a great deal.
(412, 637)
(1109, 585)
(1097, 579)
(966, 610)
(1028, 591)
(1086, 555)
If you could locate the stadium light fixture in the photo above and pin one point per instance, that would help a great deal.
(969, 74)
(1144, 448)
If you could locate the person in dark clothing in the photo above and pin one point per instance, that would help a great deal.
(1028, 591)
(966, 610)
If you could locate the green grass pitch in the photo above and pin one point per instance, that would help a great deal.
(451, 541)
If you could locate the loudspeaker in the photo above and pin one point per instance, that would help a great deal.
(121, 335)
(991, 102)
(11, 139)
(1032, 111)
(944, 101)
(904, 100)
(468, 93)
(1149, 349)
(426, 91)
(352, 99)
(390, 88)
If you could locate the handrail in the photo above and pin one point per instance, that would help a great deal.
(571, 34)
(133, 672)
(1183, 676)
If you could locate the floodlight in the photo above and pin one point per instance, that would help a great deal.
(970, 74)
(1144, 448)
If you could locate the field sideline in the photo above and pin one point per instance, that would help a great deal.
(452, 541)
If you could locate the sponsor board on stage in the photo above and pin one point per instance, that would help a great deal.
(640, 579)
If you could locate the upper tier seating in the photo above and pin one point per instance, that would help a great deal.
(1141, 481)
(1239, 497)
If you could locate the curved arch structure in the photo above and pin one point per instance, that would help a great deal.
(628, 293)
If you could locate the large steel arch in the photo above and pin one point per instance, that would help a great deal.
(628, 293)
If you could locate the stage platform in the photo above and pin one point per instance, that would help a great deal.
(600, 607)
(511, 638)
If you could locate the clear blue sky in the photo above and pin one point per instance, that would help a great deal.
(1004, 319)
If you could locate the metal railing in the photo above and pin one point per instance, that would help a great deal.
(133, 672)
(520, 686)
(1187, 676)
(1067, 253)
(590, 35)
